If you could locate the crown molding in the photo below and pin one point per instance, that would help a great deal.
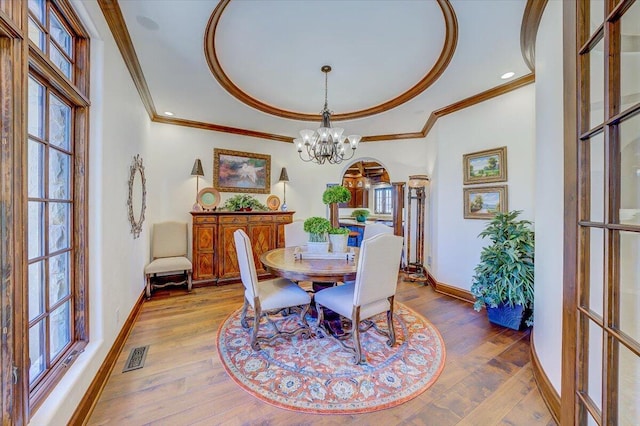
(115, 20)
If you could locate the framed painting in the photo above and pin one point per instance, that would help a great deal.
(485, 166)
(484, 202)
(237, 171)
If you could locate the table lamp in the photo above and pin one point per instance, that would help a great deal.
(197, 171)
(284, 178)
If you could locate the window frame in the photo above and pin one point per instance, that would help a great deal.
(75, 92)
(384, 197)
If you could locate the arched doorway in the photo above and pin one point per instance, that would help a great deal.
(365, 179)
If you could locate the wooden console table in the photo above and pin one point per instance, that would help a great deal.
(214, 252)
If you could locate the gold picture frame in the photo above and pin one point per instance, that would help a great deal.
(483, 202)
(237, 171)
(485, 166)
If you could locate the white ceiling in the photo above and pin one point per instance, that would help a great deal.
(273, 50)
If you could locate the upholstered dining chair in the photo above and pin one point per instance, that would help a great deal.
(372, 292)
(294, 234)
(376, 228)
(267, 296)
(169, 242)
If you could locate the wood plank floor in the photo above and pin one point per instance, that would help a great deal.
(487, 379)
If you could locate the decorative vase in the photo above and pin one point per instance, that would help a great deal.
(338, 242)
(361, 219)
(513, 317)
(318, 247)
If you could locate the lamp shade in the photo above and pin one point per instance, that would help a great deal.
(284, 177)
(418, 181)
(197, 168)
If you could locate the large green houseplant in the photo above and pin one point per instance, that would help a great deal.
(504, 277)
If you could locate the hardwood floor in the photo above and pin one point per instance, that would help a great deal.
(487, 377)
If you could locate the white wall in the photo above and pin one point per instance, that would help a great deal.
(549, 193)
(119, 130)
(175, 148)
(504, 121)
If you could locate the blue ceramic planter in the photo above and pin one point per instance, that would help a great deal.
(507, 316)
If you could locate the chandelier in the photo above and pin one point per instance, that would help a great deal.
(326, 143)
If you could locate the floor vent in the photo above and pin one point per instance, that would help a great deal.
(136, 358)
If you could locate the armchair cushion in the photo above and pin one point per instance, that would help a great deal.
(340, 299)
(281, 293)
(168, 264)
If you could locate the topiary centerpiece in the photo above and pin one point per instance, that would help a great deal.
(317, 227)
(503, 280)
(338, 238)
(336, 194)
(243, 202)
(333, 196)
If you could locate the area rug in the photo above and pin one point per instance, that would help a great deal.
(318, 375)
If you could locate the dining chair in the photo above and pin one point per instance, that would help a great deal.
(269, 296)
(376, 228)
(294, 234)
(372, 292)
(169, 242)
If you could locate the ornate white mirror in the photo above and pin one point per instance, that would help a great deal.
(137, 201)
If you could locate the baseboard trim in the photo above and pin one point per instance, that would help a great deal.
(452, 291)
(549, 395)
(91, 396)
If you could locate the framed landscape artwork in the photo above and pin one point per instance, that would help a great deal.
(485, 166)
(237, 171)
(484, 202)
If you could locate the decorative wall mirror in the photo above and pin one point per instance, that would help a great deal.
(137, 201)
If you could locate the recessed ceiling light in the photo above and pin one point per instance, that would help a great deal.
(169, 113)
(507, 75)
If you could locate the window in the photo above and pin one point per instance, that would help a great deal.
(383, 200)
(56, 158)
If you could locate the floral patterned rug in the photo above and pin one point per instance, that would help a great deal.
(318, 375)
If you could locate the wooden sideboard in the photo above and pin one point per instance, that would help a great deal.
(214, 251)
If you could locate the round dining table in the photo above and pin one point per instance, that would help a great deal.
(284, 262)
(322, 272)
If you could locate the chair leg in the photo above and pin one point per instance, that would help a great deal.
(148, 286)
(392, 331)
(320, 313)
(243, 315)
(189, 280)
(256, 322)
(355, 331)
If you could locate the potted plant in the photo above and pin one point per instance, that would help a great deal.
(243, 202)
(361, 215)
(503, 280)
(317, 227)
(333, 196)
(338, 238)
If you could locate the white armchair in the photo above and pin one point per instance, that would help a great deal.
(168, 254)
(371, 294)
(264, 296)
(294, 234)
(376, 228)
